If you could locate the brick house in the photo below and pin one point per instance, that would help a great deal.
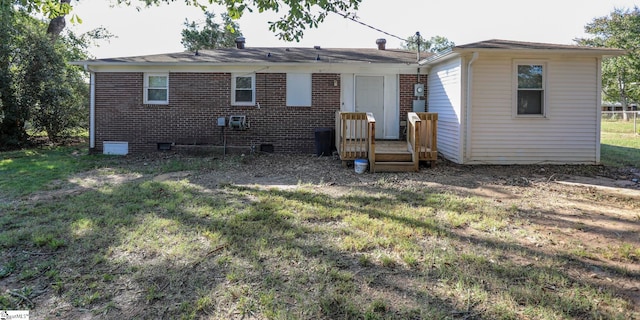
(270, 98)
(498, 101)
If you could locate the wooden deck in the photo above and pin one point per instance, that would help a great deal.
(355, 139)
(392, 151)
(381, 146)
(387, 150)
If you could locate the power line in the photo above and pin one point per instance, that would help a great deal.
(370, 26)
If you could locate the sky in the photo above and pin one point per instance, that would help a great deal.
(142, 31)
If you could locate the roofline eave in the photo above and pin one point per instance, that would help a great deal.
(438, 57)
(583, 52)
(235, 64)
(456, 51)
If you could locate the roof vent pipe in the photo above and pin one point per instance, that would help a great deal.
(240, 42)
(418, 43)
(381, 43)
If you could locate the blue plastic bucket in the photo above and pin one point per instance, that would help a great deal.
(360, 165)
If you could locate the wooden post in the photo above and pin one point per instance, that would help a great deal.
(371, 137)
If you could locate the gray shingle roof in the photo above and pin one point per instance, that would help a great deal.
(270, 55)
(497, 45)
(282, 55)
(519, 45)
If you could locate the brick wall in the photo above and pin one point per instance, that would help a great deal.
(196, 100)
(406, 93)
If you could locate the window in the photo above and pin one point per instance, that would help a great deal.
(156, 88)
(243, 90)
(298, 89)
(530, 94)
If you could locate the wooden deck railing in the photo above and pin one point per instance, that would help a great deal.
(414, 126)
(428, 150)
(355, 139)
(355, 135)
(371, 124)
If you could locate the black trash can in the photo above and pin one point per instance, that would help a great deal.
(324, 141)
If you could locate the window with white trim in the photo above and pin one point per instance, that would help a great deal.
(298, 89)
(156, 88)
(243, 89)
(530, 91)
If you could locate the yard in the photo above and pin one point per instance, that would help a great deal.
(299, 237)
(620, 146)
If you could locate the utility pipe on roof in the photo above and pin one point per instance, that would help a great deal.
(418, 42)
(474, 57)
(92, 107)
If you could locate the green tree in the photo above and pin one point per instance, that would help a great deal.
(620, 75)
(38, 86)
(434, 44)
(299, 15)
(212, 35)
(55, 92)
(12, 115)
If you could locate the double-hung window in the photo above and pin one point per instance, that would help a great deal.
(156, 88)
(243, 89)
(530, 92)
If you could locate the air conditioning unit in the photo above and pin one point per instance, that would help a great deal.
(238, 122)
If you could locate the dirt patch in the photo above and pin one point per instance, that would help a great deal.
(78, 183)
(624, 188)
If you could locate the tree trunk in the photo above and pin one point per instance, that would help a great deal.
(623, 94)
(57, 24)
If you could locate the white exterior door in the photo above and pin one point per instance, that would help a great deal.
(369, 97)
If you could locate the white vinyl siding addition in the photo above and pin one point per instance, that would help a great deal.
(567, 134)
(444, 98)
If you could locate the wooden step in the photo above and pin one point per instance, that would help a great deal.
(394, 166)
(393, 156)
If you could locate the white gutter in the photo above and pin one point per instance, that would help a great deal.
(246, 64)
(92, 107)
(474, 57)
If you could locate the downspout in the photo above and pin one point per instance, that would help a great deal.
(417, 75)
(474, 57)
(599, 107)
(92, 107)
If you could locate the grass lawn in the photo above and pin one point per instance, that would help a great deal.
(102, 237)
(30, 170)
(620, 146)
